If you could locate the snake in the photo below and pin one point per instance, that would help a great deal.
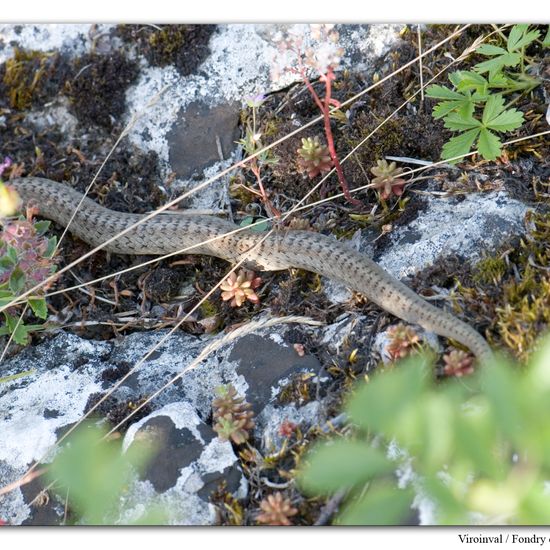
(213, 236)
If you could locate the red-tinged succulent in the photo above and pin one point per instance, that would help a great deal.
(287, 428)
(276, 510)
(232, 416)
(458, 363)
(388, 180)
(314, 158)
(403, 339)
(239, 288)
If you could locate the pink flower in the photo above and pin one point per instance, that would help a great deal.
(6, 164)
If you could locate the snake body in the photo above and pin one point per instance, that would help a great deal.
(314, 252)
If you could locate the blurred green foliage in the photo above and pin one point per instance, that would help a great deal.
(94, 474)
(479, 446)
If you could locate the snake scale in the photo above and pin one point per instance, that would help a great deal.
(314, 252)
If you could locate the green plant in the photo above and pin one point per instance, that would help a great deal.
(251, 144)
(26, 259)
(473, 108)
(94, 474)
(232, 416)
(513, 55)
(314, 158)
(480, 451)
(388, 179)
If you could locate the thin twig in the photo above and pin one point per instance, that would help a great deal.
(420, 66)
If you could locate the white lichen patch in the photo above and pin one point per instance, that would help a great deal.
(72, 39)
(47, 402)
(174, 505)
(271, 419)
(213, 196)
(217, 456)
(448, 226)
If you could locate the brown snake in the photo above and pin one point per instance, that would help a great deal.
(165, 234)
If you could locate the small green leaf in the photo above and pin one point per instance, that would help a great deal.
(493, 107)
(546, 41)
(20, 334)
(495, 65)
(259, 227)
(51, 248)
(17, 281)
(471, 81)
(377, 404)
(489, 145)
(460, 145)
(445, 107)
(6, 263)
(501, 384)
(455, 121)
(11, 253)
(441, 92)
(246, 221)
(474, 423)
(506, 121)
(39, 307)
(96, 473)
(489, 49)
(42, 226)
(6, 301)
(520, 38)
(342, 465)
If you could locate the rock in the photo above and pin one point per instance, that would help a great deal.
(190, 462)
(466, 226)
(69, 39)
(70, 371)
(266, 364)
(271, 423)
(200, 135)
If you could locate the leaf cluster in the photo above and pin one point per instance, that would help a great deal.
(480, 452)
(475, 106)
(22, 265)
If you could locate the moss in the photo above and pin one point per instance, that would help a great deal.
(208, 309)
(511, 290)
(521, 321)
(300, 390)
(525, 311)
(184, 46)
(230, 511)
(28, 77)
(489, 270)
